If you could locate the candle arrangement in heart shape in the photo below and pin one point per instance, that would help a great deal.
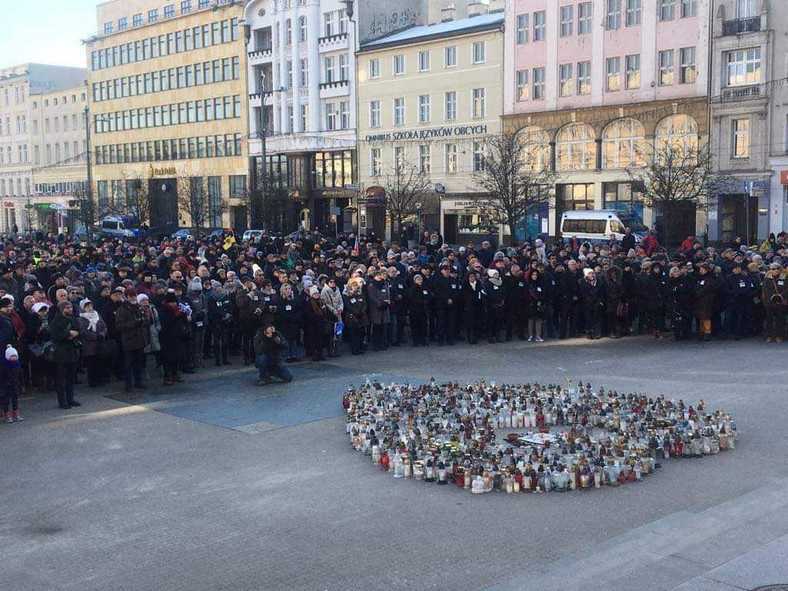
(529, 437)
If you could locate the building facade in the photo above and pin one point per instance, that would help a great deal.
(596, 86)
(745, 107)
(169, 115)
(302, 91)
(428, 98)
(778, 145)
(24, 90)
(59, 158)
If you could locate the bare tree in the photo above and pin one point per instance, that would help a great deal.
(86, 211)
(192, 195)
(133, 199)
(680, 176)
(513, 177)
(406, 187)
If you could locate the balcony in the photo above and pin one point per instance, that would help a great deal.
(742, 93)
(334, 84)
(263, 54)
(333, 42)
(741, 25)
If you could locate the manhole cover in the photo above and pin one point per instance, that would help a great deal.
(780, 587)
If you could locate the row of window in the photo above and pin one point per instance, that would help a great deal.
(19, 95)
(76, 122)
(177, 149)
(168, 11)
(53, 153)
(215, 33)
(64, 188)
(478, 108)
(199, 74)
(7, 187)
(533, 26)
(451, 159)
(478, 56)
(210, 109)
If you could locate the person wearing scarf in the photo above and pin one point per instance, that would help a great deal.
(92, 333)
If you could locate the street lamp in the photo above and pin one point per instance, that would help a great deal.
(88, 219)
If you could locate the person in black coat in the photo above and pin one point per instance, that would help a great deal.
(355, 313)
(516, 295)
(268, 348)
(496, 306)
(569, 301)
(64, 329)
(739, 290)
(174, 326)
(680, 288)
(537, 302)
(290, 320)
(474, 301)
(419, 302)
(446, 302)
(592, 295)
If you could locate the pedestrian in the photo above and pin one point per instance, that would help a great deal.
(268, 347)
(537, 302)
(134, 328)
(356, 319)
(65, 336)
(705, 298)
(174, 326)
(775, 302)
(10, 385)
(317, 325)
(93, 335)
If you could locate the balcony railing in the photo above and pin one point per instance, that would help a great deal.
(334, 84)
(741, 93)
(260, 53)
(741, 25)
(332, 38)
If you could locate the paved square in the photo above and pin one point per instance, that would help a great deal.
(218, 484)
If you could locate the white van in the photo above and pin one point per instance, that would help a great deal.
(599, 225)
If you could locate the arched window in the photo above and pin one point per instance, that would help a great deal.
(678, 133)
(624, 144)
(536, 148)
(575, 147)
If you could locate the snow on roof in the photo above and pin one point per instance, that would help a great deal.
(449, 28)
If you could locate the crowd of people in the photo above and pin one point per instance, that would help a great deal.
(114, 310)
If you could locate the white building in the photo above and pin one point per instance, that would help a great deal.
(21, 88)
(748, 129)
(302, 98)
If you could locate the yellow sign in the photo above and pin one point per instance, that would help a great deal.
(164, 171)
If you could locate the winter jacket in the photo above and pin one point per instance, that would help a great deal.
(332, 298)
(133, 327)
(379, 301)
(66, 346)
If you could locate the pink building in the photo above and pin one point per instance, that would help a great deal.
(596, 83)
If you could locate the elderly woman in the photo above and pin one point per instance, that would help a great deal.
(92, 333)
(291, 319)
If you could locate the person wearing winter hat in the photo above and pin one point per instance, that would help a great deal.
(10, 385)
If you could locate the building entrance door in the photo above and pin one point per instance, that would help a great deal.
(163, 204)
(738, 215)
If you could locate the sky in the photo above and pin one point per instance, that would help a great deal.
(46, 31)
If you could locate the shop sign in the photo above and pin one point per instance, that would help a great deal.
(374, 196)
(154, 172)
(8, 204)
(427, 134)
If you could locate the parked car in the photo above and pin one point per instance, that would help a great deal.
(598, 225)
(183, 234)
(252, 235)
(118, 227)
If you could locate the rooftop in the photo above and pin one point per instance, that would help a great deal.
(463, 26)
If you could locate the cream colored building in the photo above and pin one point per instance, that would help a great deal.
(59, 157)
(428, 96)
(168, 92)
(26, 92)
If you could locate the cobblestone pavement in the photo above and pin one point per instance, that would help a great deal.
(220, 485)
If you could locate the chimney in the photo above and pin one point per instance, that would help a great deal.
(477, 7)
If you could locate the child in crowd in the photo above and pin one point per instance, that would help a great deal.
(10, 382)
